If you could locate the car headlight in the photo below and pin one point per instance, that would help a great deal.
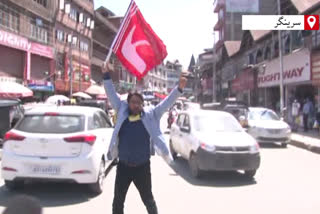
(255, 148)
(209, 148)
(288, 130)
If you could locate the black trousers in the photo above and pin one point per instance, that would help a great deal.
(141, 177)
(305, 122)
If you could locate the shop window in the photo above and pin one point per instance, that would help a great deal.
(267, 53)
(39, 33)
(297, 39)
(84, 46)
(287, 45)
(251, 59)
(44, 3)
(74, 41)
(259, 56)
(276, 50)
(60, 36)
(73, 14)
(9, 19)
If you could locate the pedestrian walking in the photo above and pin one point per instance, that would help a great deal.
(295, 114)
(136, 136)
(307, 111)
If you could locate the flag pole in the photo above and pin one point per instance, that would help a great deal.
(116, 37)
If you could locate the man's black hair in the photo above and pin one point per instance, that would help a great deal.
(130, 95)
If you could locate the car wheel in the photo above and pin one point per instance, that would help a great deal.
(173, 152)
(250, 173)
(97, 188)
(284, 145)
(14, 185)
(195, 171)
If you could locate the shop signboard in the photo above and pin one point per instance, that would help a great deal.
(296, 69)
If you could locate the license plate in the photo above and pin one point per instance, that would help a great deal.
(239, 162)
(46, 170)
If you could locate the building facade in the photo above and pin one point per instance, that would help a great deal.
(229, 28)
(26, 44)
(174, 70)
(74, 24)
(252, 69)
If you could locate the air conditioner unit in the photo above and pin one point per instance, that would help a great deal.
(67, 8)
(92, 25)
(88, 22)
(61, 6)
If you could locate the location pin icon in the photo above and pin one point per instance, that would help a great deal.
(311, 21)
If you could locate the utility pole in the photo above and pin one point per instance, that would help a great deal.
(70, 65)
(281, 64)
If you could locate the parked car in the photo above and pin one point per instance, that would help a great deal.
(237, 108)
(11, 111)
(191, 106)
(267, 127)
(213, 140)
(66, 143)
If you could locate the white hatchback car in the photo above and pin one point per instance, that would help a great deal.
(213, 140)
(66, 143)
(267, 127)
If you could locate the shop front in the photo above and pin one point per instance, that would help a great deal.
(29, 62)
(80, 76)
(243, 85)
(296, 79)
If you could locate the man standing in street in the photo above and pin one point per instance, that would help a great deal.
(307, 110)
(295, 114)
(136, 135)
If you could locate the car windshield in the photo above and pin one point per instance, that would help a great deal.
(263, 115)
(61, 124)
(205, 123)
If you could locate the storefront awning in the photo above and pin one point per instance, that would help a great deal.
(48, 88)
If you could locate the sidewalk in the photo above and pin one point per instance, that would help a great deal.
(306, 140)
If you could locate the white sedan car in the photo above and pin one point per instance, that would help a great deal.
(213, 140)
(266, 127)
(66, 143)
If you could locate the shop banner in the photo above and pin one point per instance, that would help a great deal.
(296, 69)
(14, 41)
(41, 50)
(244, 81)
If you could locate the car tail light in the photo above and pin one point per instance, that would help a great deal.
(81, 172)
(9, 169)
(89, 139)
(13, 136)
(51, 114)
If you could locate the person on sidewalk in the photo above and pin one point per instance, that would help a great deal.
(136, 135)
(307, 110)
(295, 114)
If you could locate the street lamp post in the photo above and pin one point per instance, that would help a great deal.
(281, 65)
(70, 65)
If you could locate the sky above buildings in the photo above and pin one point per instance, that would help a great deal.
(185, 26)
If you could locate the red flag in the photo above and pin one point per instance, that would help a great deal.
(137, 46)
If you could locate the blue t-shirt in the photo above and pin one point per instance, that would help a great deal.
(134, 142)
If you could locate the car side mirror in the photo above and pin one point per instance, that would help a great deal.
(185, 129)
